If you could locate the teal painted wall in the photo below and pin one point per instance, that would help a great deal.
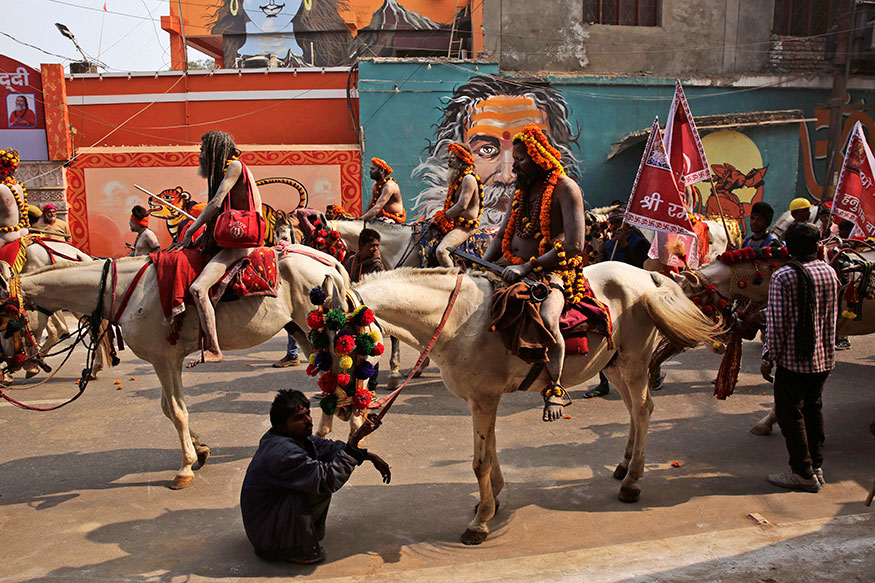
(401, 103)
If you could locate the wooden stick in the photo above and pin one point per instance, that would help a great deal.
(871, 495)
(720, 208)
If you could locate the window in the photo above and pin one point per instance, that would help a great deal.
(622, 12)
(803, 17)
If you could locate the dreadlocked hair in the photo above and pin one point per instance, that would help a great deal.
(216, 149)
(805, 308)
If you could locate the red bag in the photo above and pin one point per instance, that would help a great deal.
(237, 228)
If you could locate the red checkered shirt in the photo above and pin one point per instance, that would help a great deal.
(782, 318)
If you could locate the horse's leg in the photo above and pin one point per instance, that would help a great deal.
(764, 425)
(170, 375)
(201, 449)
(613, 375)
(325, 424)
(355, 422)
(483, 414)
(637, 398)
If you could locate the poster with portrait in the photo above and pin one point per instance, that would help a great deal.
(22, 120)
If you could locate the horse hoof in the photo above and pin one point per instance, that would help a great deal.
(761, 429)
(497, 506)
(180, 482)
(473, 537)
(620, 472)
(203, 454)
(629, 495)
(31, 373)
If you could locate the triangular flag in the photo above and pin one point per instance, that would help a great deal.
(855, 192)
(104, 6)
(655, 202)
(685, 152)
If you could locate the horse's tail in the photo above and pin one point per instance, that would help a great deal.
(677, 318)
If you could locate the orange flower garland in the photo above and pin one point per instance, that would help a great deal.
(9, 161)
(547, 157)
(440, 218)
(460, 152)
(382, 164)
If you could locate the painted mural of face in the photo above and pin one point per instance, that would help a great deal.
(485, 113)
(269, 28)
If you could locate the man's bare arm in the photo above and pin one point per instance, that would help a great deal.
(232, 175)
(466, 191)
(493, 252)
(389, 189)
(152, 242)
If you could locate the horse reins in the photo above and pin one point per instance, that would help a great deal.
(92, 324)
(386, 402)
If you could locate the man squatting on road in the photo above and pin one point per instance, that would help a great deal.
(289, 482)
(543, 233)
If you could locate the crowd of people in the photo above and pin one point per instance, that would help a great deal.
(543, 236)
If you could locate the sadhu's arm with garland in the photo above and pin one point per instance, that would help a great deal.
(544, 235)
(386, 203)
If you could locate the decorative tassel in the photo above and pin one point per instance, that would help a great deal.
(727, 376)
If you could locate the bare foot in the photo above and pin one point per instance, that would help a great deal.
(206, 356)
(555, 401)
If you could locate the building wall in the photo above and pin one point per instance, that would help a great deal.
(403, 104)
(693, 38)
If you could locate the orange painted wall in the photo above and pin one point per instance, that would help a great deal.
(270, 119)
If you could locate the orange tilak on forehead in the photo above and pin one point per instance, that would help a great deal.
(504, 116)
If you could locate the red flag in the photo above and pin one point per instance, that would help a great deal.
(685, 152)
(104, 6)
(655, 202)
(855, 192)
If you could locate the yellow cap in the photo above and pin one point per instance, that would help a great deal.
(798, 204)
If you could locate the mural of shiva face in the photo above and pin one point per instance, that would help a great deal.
(269, 28)
(485, 113)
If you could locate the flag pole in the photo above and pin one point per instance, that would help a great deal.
(617, 241)
(720, 208)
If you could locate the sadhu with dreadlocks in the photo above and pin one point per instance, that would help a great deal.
(13, 211)
(463, 204)
(226, 177)
(386, 203)
(543, 235)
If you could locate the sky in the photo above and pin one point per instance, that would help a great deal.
(129, 43)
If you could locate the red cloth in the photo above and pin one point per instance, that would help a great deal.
(9, 252)
(256, 274)
(176, 270)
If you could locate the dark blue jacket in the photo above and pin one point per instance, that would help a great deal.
(282, 476)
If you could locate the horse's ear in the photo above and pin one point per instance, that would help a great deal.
(687, 280)
(331, 292)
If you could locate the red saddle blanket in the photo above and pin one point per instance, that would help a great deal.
(517, 319)
(255, 275)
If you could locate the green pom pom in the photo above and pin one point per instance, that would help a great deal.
(15, 324)
(328, 404)
(364, 345)
(318, 340)
(757, 280)
(335, 319)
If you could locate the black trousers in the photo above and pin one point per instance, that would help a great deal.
(798, 409)
(318, 514)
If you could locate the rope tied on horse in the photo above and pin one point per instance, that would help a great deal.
(89, 326)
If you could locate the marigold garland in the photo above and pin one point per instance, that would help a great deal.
(440, 219)
(460, 152)
(9, 161)
(382, 164)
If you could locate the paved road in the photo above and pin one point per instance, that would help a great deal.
(84, 497)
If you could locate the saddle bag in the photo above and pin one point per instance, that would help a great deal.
(238, 228)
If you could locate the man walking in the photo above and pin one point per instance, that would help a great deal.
(800, 339)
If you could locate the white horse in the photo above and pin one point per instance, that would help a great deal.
(476, 366)
(241, 324)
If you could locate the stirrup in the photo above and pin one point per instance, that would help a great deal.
(555, 394)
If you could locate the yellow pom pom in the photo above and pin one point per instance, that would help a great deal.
(312, 359)
(374, 336)
(345, 362)
(849, 315)
(716, 345)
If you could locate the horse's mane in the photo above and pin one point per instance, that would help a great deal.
(69, 264)
(409, 272)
